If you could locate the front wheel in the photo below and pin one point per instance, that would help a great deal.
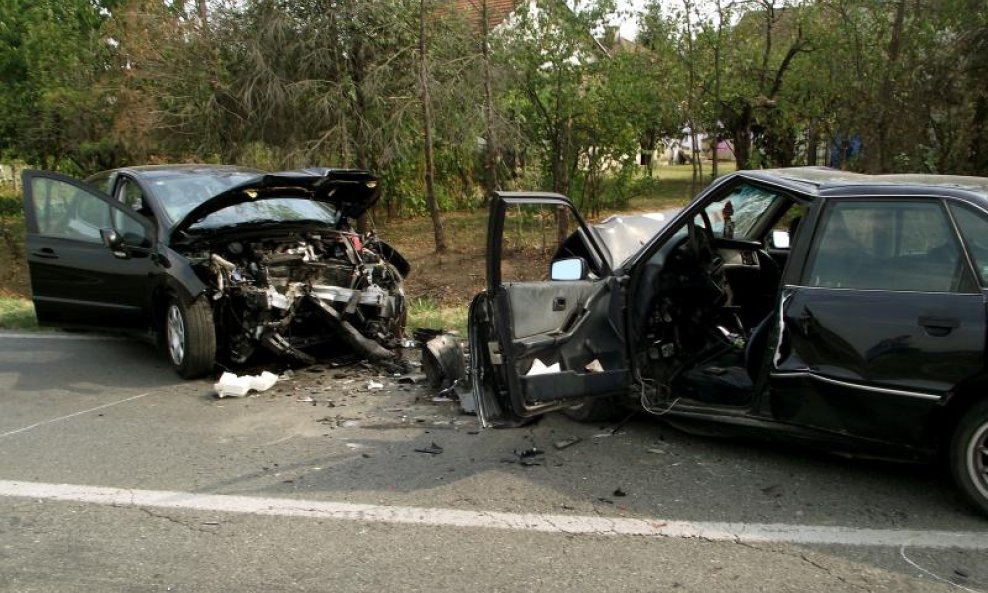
(969, 455)
(190, 337)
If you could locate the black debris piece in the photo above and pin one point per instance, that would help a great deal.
(443, 361)
(530, 456)
(618, 492)
(432, 449)
(412, 378)
(567, 442)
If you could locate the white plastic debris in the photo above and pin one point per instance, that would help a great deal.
(540, 368)
(594, 366)
(374, 385)
(263, 382)
(231, 385)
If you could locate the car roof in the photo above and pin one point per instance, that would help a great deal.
(824, 181)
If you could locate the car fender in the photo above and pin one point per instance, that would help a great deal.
(177, 279)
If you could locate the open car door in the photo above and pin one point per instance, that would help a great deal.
(88, 255)
(543, 344)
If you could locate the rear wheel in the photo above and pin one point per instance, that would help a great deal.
(190, 337)
(969, 455)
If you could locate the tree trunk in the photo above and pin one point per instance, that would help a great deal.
(811, 142)
(203, 14)
(978, 161)
(885, 94)
(430, 189)
(490, 142)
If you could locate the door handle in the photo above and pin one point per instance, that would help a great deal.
(939, 326)
(45, 253)
(559, 303)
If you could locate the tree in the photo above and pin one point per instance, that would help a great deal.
(55, 107)
(430, 190)
(552, 52)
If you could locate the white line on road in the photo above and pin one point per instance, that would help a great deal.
(57, 336)
(566, 524)
(73, 415)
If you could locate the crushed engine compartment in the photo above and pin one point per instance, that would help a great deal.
(297, 290)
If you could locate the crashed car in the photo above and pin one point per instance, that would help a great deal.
(839, 310)
(216, 261)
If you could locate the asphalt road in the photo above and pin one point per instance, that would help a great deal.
(116, 476)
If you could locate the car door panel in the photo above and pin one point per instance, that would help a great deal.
(863, 346)
(76, 280)
(885, 339)
(582, 336)
(576, 324)
(544, 307)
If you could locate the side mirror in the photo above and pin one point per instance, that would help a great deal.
(780, 239)
(111, 238)
(114, 242)
(573, 268)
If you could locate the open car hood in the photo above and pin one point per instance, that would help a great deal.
(351, 191)
(625, 235)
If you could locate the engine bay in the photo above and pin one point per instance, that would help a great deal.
(297, 290)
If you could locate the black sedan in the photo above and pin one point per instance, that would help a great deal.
(215, 260)
(841, 310)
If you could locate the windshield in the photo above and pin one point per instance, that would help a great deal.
(179, 194)
(273, 210)
(736, 215)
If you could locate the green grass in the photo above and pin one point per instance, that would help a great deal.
(425, 312)
(17, 313)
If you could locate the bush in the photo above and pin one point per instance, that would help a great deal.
(11, 203)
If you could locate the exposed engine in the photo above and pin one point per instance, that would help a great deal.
(301, 290)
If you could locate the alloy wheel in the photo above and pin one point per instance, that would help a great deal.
(977, 459)
(175, 328)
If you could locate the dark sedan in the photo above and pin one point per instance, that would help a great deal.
(842, 310)
(215, 260)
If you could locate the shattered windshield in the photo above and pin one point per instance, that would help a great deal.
(274, 210)
(179, 194)
(737, 214)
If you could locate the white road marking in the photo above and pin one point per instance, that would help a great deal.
(58, 336)
(438, 517)
(73, 415)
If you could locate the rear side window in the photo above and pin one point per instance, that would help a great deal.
(888, 245)
(974, 228)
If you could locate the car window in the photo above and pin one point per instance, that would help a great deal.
(736, 215)
(64, 210)
(129, 194)
(888, 245)
(974, 228)
(102, 181)
(528, 243)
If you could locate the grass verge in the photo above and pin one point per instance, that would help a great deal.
(17, 313)
(425, 312)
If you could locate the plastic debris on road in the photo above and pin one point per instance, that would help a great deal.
(231, 385)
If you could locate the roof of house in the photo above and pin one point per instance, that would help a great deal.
(497, 11)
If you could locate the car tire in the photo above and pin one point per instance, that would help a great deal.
(969, 455)
(190, 337)
(600, 409)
